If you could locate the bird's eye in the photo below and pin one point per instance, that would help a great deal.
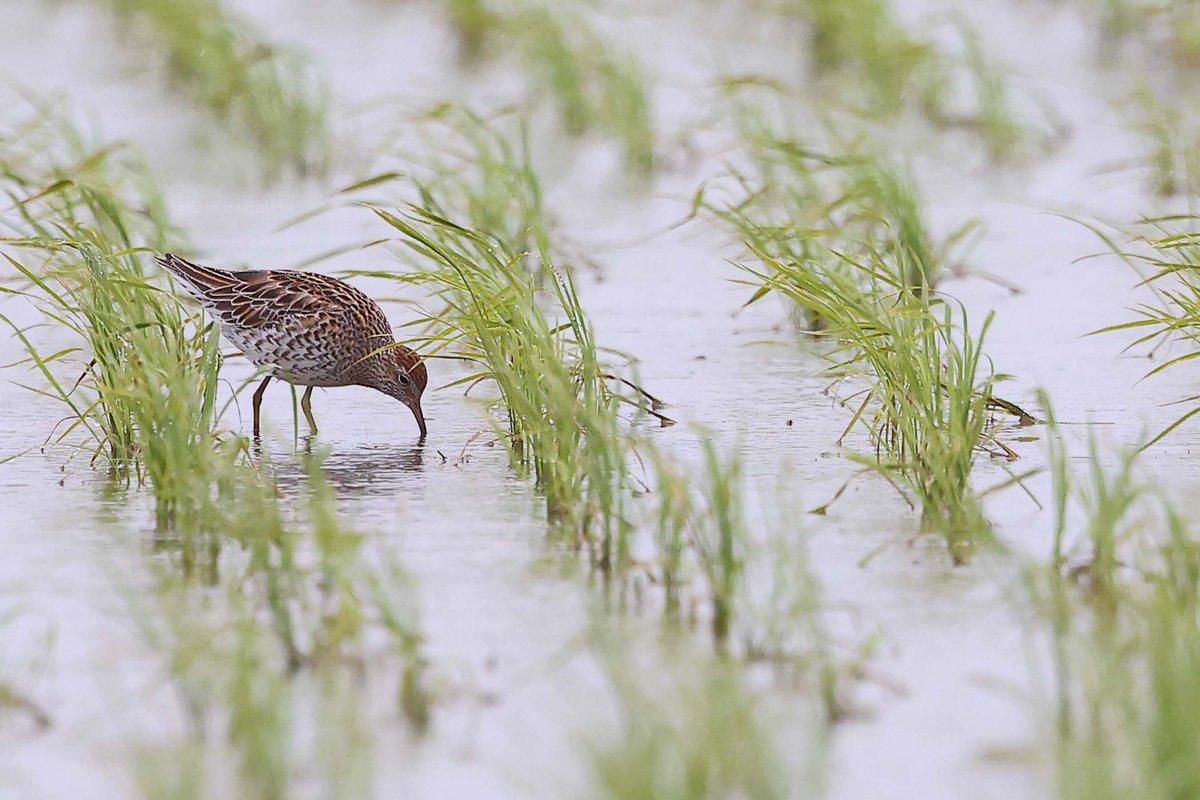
(404, 379)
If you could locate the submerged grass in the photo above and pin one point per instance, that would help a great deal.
(1122, 598)
(300, 592)
(690, 729)
(269, 92)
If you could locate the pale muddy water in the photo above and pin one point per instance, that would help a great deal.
(954, 706)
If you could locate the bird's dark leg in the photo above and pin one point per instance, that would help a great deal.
(306, 407)
(258, 395)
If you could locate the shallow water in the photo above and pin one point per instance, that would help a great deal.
(953, 709)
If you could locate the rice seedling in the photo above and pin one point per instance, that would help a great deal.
(843, 240)
(765, 604)
(1126, 634)
(13, 699)
(1172, 254)
(1112, 498)
(675, 509)
(802, 206)
(719, 543)
(473, 22)
(562, 422)
(595, 85)
(1160, 124)
(477, 169)
(147, 393)
(268, 91)
(593, 88)
(862, 38)
(926, 404)
(482, 244)
(993, 118)
(699, 531)
(928, 384)
(1172, 137)
(886, 70)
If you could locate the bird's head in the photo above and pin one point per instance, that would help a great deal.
(404, 377)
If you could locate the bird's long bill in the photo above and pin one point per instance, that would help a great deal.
(420, 415)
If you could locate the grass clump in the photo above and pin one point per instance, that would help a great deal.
(764, 602)
(863, 38)
(994, 119)
(844, 241)
(562, 421)
(827, 213)
(928, 385)
(700, 531)
(483, 245)
(1173, 140)
(595, 86)
(269, 92)
(477, 169)
(876, 65)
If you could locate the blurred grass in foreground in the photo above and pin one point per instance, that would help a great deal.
(1121, 596)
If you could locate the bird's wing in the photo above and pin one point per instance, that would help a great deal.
(256, 299)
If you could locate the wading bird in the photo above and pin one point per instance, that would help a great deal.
(309, 329)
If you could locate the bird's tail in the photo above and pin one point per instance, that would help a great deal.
(200, 279)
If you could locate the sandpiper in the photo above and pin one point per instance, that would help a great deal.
(309, 329)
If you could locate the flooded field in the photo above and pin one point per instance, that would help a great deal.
(872, 542)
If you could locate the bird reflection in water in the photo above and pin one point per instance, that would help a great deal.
(353, 471)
